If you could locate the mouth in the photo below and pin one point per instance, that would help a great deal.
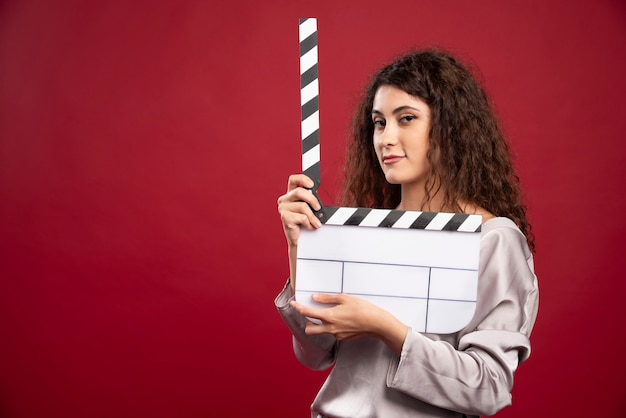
(391, 159)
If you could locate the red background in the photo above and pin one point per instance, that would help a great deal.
(142, 149)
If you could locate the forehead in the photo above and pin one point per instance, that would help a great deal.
(388, 98)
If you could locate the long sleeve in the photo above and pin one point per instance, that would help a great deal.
(476, 376)
(315, 352)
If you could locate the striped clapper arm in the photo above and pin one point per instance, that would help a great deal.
(420, 266)
(309, 99)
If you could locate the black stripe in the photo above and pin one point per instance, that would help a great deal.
(455, 222)
(423, 220)
(303, 19)
(308, 76)
(329, 211)
(430, 270)
(391, 218)
(310, 107)
(314, 172)
(307, 44)
(311, 141)
(357, 217)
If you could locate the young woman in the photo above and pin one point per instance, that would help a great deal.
(425, 139)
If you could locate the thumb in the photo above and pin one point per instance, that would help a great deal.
(326, 298)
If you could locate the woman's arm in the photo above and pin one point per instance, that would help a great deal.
(314, 352)
(295, 212)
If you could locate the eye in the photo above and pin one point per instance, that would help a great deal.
(379, 123)
(407, 118)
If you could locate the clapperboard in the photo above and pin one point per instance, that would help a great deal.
(420, 266)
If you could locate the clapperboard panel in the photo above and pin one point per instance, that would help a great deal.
(420, 266)
(426, 277)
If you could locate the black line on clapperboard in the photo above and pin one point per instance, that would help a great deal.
(411, 297)
(343, 269)
(427, 300)
(395, 296)
(383, 264)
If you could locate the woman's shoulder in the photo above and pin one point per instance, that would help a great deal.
(497, 222)
(500, 234)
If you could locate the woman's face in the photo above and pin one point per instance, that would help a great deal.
(401, 132)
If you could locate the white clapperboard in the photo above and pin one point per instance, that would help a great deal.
(420, 266)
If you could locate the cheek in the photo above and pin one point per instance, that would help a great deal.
(376, 145)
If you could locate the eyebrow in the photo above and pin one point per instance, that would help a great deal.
(397, 110)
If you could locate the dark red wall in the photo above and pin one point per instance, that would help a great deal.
(142, 149)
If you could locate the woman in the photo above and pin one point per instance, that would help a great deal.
(424, 138)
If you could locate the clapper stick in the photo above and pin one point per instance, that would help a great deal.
(420, 266)
(309, 104)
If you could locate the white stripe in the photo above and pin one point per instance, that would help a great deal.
(406, 220)
(307, 28)
(309, 91)
(310, 124)
(310, 157)
(471, 223)
(341, 216)
(375, 217)
(308, 60)
(439, 221)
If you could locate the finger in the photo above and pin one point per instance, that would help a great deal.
(298, 214)
(299, 180)
(316, 329)
(328, 298)
(299, 195)
(308, 311)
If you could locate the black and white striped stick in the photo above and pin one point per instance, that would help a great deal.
(309, 100)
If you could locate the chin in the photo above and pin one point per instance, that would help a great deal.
(393, 180)
(396, 179)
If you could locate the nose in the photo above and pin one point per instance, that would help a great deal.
(388, 136)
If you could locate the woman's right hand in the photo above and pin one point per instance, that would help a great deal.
(294, 208)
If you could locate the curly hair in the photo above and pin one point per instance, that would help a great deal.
(468, 154)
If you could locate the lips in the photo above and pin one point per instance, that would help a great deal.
(392, 159)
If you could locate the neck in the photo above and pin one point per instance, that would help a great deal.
(414, 198)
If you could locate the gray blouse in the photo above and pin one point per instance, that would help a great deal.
(468, 373)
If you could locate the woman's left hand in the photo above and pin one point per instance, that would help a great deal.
(352, 318)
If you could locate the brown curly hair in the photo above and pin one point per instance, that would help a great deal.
(468, 154)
